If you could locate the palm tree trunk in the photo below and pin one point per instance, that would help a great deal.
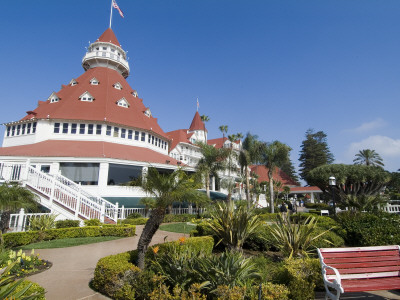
(248, 188)
(207, 179)
(5, 221)
(152, 225)
(271, 191)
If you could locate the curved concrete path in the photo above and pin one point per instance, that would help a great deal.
(73, 267)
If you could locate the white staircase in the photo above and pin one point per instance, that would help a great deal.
(59, 194)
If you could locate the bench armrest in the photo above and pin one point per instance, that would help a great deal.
(336, 283)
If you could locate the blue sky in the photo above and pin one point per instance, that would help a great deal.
(272, 68)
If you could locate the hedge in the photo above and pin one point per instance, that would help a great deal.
(67, 223)
(370, 229)
(15, 239)
(113, 272)
(301, 276)
(137, 221)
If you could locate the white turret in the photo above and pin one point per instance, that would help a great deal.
(106, 52)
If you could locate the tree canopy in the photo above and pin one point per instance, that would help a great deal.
(355, 180)
(165, 189)
(314, 153)
(274, 154)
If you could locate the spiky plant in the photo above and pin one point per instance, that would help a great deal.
(233, 226)
(294, 239)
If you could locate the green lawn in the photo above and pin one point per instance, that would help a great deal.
(63, 243)
(178, 227)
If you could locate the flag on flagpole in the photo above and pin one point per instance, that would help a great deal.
(115, 5)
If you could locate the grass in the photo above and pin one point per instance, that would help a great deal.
(178, 227)
(63, 243)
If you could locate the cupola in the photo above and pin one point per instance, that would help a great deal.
(106, 52)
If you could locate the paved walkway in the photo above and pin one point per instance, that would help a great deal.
(73, 267)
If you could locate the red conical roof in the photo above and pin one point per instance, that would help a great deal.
(104, 106)
(197, 123)
(108, 36)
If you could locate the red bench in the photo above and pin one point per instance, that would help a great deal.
(360, 269)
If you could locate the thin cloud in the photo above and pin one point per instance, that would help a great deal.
(386, 147)
(368, 126)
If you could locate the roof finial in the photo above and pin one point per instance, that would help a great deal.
(198, 104)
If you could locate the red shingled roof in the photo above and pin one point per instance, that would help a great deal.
(108, 36)
(179, 136)
(93, 149)
(219, 142)
(104, 107)
(277, 174)
(197, 123)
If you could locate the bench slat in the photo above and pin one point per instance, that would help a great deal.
(364, 285)
(329, 261)
(365, 264)
(365, 276)
(352, 249)
(365, 270)
(361, 254)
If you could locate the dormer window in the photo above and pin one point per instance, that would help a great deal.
(94, 81)
(86, 96)
(135, 94)
(73, 82)
(122, 102)
(118, 86)
(53, 98)
(147, 112)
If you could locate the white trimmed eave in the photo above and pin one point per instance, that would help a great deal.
(20, 122)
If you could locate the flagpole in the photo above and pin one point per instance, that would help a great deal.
(111, 12)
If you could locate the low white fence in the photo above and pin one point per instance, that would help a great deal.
(20, 222)
(392, 208)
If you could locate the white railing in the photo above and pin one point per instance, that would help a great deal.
(61, 191)
(392, 208)
(123, 213)
(21, 221)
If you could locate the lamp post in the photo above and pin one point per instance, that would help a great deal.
(332, 184)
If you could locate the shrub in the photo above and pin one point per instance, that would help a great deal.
(15, 239)
(329, 239)
(367, 229)
(260, 241)
(269, 217)
(134, 215)
(92, 222)
(301, 276)
(178, 218)
(196, 244)
(137, 221)
(67, 223)
(117, 276)
(111, 273)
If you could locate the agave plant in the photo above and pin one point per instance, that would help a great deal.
(43, 222)
(295, 240)
(229, 268)
(8, 286)
(233, 226)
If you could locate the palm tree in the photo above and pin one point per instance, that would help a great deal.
(249, 154)
(223, 129)
(12, 198)
(368, 157)
(212, 161)
(205, 119)
(165, 189)
(274, 154)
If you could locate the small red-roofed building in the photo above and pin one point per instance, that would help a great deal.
(184, 146)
